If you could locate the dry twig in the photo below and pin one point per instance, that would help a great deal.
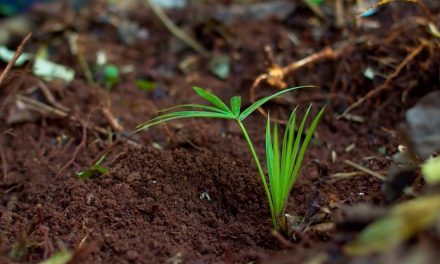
(78, 148)
(392, 76)
(365, 170)
(108, 115)
(17, 54)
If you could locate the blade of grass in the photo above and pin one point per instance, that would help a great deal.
(195, 106)
(304, 147)
(296, 148)
(276, 160)
(182, 114)
(289, 135)
(270, 158)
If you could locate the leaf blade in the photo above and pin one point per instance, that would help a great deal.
(270, 159)
(264, 100)
(212, 98)
(304, 146)
(236, 105)
(181, 114)
(195, 106)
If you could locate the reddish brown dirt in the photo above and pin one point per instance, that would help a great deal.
(152, 206)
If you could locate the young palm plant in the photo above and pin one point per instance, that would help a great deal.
(283, 158)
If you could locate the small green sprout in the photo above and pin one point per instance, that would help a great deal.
(283, 160)
(94, 170)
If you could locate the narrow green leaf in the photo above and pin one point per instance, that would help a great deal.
(270, 159)
(289, 162)
(182, 114)
(61, 257)
(296, 148)
(276, 179)
(95, 170)
(305, 145)
(195, 106)
(262, 101)
(212, 98)
(235, 105)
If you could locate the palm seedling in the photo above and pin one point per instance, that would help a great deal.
(283, 158)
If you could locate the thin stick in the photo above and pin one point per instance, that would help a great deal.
(49, 96)
(176, 31)
(363, 169)
(42, 107)
(108, 115)
(77, 49)
(78, 148)
(4, 163)
(392, 76)
(343, 175)
(327, 53)
(17, 54)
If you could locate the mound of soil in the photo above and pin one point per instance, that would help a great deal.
(153, 206)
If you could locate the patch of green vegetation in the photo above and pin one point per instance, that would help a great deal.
(284, 158)
(95, 170)
(61, 257)
(146, 85)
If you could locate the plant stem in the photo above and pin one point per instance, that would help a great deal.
(260, 171)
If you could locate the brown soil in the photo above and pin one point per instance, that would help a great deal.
(198, 198)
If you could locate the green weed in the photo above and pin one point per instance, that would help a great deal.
(283, 158)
